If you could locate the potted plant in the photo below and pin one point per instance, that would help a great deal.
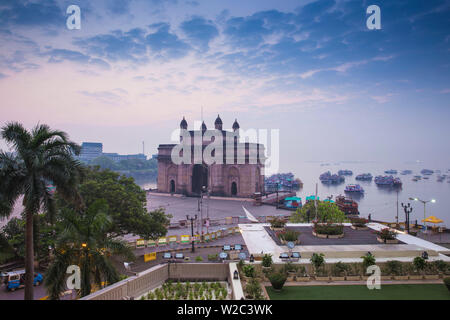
(388, 236)
(277, 224)
(302, 275)
(338, 271)
(277, 280)
(289, 236)
(267, 262)
(249, 271)
(418, 267)
(359, 223)
(318, 261)
(291, 271)
(253, 290)
(447, 282)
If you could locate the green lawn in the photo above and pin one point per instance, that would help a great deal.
(357, 292)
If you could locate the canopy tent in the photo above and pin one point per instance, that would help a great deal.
(432, 219)
(293, 202)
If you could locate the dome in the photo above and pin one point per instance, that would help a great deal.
(218, 123)
(183, 124)
(235, 125)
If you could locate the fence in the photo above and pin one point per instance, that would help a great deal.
(147, 280)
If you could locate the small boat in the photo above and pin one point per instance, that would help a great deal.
(391, 171)
(364, 177)
(426, 177)
(329, 178)
(354, 188)
(427, 172)
(397, 182)
(384, 180)
(440, 178)
(345, 172)
(415, 179)
(405, 172)
(418, 177)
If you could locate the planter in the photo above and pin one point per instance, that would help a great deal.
(359, 228)
(387, 241)
(328, 236)
(277, 229)
(322, 278)
(415, 277)
(401, 277)
(285, 242)
(333, 278)
(353, 278)
(431, 277)
(266, 268)
(303, 279)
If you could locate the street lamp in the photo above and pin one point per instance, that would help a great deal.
(424, 205)
(408, 209)
(192, 230)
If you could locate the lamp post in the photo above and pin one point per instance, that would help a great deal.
(424, 205)
(408, 209)
(192, 230)
(277, 194)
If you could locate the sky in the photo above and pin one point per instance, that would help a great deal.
(312, 69)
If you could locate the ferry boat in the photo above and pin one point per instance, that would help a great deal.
(427, 172)
(354, 188)
(397, 182)
(347, 205)
(418, 177)
(364, 177)
(384, 180)
(405, 172)
(284, 181)
(391, 171)
(329, 178)
(345, 172)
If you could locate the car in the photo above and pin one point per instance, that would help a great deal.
(179, 256)
(167, 255)
(16, 279)
(295, 256)
(226, 247)
(237, 247)
(284, 256)
(223, 255)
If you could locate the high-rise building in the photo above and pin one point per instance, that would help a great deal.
(90, 151)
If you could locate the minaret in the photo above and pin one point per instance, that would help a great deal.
(218, 123)
(183, 126)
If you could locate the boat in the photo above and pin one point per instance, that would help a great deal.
(329, 178)
(418, 177)
(311, 198)
(405, 172)
(282, 182)
(427, 172)
(441, 178)
(364, 177)
(354, 188)
(347, 205)
(384, 180)
(426, 177)
(391, 171)
(345, 172)
(397, 182)
(415, 179)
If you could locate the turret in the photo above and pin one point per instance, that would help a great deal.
(218, 123)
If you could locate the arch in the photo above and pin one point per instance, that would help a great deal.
(199, 178)
(172, 186)
(234, 188)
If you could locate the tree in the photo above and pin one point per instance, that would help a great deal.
(326, 212)
(126, 204)
(85, 243)
(40, 157)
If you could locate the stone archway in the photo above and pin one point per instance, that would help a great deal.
(234, 190)
(199, 178)
(172, 186)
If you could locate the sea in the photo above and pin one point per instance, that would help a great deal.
(382, 203)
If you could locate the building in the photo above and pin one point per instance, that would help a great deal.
(240, 174)
(120, 157)
(90, 151)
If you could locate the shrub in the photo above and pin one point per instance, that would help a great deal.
(447, 283)
(440, 265)
(289, 235)
(317, 260)
(302, 271)
(387, 234)
(419, 263)
(289, 267)
(359, 222)
(340, 269)
(253, 289)
(213, 257)
(329, 229)
(277, 223)
(267, 260)
(277, 280)
(394, 267)
(198, 258)
(368, 260)
(249, 271)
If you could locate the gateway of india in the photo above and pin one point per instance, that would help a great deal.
(231, 178)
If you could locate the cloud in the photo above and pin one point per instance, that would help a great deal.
(60, 55)
(200, 31)
(3, 76)
(166, 44)
(383, 98)
(28, 13)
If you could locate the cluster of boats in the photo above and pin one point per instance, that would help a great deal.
(364, 177)
(329, 178)
(388, 181)
(282, 182)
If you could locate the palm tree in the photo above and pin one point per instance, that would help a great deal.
(85, 243)
(40, 157)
